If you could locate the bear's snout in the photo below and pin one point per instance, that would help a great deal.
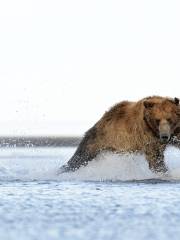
(164, 131)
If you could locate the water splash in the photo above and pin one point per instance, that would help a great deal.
(43, 164)
(125, 167)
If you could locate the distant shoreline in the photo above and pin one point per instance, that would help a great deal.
(35, 141)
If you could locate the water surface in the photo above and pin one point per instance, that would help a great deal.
(109, 199)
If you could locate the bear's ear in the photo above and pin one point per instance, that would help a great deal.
(148, 104)
(176, 101)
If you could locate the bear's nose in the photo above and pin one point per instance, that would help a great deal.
(164, 137)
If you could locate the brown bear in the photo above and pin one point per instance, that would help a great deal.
(146, 126)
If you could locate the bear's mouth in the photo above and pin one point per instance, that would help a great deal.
(165, 138)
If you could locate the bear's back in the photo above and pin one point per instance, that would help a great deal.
(118, 111)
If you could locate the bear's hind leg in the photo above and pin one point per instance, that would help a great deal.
(77, 161)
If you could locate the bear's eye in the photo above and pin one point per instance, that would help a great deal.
(157, 121)
(169, 120)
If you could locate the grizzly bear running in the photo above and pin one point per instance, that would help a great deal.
(146, 126)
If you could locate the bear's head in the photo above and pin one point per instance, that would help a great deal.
(162, 116)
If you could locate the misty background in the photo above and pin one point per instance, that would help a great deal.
(63, 63)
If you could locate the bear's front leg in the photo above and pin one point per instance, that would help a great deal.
(155, 157)
(175, 141)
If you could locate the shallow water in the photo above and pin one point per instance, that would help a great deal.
(114, 197)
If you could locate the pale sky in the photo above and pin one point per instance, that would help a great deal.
(63, 63)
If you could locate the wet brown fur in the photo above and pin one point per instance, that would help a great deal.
(124, 129)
